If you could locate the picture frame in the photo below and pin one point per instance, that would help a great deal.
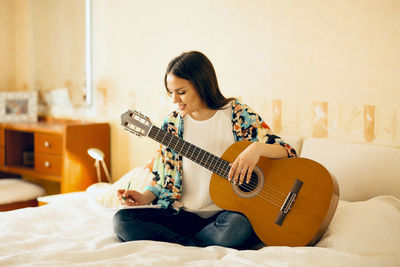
(18, 106)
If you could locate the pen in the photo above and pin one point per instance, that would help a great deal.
(129, 184)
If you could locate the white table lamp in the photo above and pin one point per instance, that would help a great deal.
(98, 155)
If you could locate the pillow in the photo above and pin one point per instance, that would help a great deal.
(365, 227)
(16, 190)
(363, 171)
(106, 194)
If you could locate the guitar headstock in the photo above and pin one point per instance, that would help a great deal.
(135, 122)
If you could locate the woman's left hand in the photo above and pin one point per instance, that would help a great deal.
(244, 164)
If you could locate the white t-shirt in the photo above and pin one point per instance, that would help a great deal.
(215, 136)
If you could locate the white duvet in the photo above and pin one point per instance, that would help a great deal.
(78, 232)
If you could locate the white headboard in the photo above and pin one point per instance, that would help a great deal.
(362, 171)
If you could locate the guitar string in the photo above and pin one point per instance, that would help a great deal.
(269, 197)
(274, 195)
(253, 184)
(268, 194)
(247, 186)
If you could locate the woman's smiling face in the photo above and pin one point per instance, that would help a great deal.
(185, 96)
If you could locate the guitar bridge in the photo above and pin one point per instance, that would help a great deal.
(287, 204)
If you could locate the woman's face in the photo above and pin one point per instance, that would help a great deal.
(185, 96)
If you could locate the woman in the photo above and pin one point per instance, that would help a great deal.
(205, 118)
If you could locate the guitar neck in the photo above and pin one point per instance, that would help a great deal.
(190, 151)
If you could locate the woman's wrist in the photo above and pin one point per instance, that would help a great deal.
(274, 151)
(148, 196)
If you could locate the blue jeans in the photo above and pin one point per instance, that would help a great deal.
(228, 229)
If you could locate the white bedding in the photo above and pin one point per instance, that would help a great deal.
(78, 232)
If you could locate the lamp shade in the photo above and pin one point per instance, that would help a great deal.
(96, 153)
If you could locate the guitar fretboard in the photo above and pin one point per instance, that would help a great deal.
(190, 151)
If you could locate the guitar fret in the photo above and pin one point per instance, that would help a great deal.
(165, 134)
(176, 142)
(156, 136)
(185, 150)
(167, 145)
(161, 138)
(179, 146)
(179, 140)
(198, 155)
(212, 159)
(191, 156)
(151, 134)
(202, 152)
(206, 161)
(188, 149)
(158, 131)
(218, 166)
(193, 149)
(214, 165)
(221, 167)
(203, 159)
(194, 153)
(226, 169)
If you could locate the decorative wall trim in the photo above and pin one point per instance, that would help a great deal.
(320, 119)
(277, 115)
(369, 123)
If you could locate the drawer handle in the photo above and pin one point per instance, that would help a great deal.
(47, 164)
(47, 144)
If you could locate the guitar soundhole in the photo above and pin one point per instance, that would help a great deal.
(251, 189)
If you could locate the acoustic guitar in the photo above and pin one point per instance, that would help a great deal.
(289, 202)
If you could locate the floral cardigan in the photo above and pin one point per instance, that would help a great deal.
(167, 168)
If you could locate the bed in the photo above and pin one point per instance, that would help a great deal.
(365, 230)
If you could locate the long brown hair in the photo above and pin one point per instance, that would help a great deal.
(195, 67)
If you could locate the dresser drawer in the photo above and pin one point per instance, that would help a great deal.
(47, 163)
(48, 143)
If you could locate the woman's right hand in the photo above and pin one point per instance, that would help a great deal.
(134, 198)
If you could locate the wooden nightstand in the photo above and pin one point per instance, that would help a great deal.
(59, 149)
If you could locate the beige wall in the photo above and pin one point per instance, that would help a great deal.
(7, 65)
(24, 44)
(310, 68)
(59, 56)
(43, 45)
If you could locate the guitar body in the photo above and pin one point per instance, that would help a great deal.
(310, 213)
